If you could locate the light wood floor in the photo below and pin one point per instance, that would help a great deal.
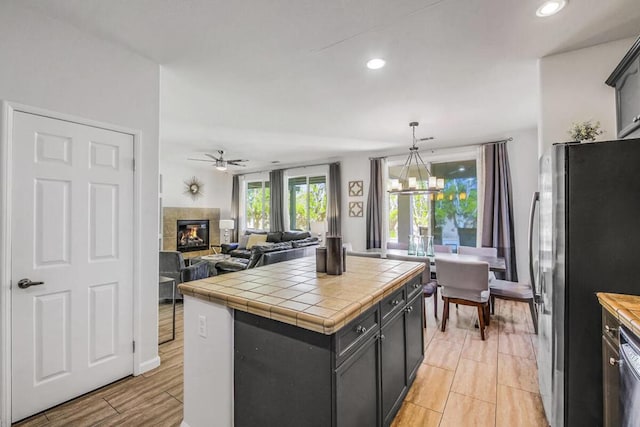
(463, 381)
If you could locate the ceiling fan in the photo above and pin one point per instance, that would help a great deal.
(220, 162)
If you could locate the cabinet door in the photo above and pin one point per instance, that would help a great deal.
(610, 384)
(414, 336)
(357, 392)
(628, 100)
(392, 343)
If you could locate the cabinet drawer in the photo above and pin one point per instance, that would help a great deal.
(349, 338)
(610, 326)
(414, 286)
(393, 303)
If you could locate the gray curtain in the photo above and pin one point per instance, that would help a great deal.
(333, 210)
(497, 222)
(375, 205)
(235, 207)
(276, 216)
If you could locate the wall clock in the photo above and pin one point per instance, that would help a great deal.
(193, 188)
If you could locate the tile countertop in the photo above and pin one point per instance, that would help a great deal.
(625, 307)
(292, 292)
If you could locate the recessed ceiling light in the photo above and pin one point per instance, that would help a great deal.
(376, 64)
(550, 7)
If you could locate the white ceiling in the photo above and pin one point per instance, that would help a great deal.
(286, 80)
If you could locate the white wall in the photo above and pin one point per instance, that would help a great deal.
(48, 64)
(216, 189)
(523, 160)
(572, 89)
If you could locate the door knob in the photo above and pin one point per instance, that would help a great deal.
(25, 283)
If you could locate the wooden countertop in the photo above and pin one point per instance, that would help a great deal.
(293, 292)
(625, 307)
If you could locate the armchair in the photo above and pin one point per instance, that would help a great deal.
(172, 265)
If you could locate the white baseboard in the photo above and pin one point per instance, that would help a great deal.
(183, 424)
(149, 365)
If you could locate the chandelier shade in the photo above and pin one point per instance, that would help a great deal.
(415, 177)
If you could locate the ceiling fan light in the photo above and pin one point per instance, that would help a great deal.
(221, 165)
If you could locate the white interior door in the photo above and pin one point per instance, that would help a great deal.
(71, 228)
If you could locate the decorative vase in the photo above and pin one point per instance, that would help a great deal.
(420, 246)
(430, 251)
(411, 250)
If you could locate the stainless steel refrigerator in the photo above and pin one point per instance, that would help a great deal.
(588, 241)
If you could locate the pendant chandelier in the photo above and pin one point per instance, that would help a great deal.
(415, 177)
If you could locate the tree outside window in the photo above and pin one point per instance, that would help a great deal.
(257, 205)
(307, 201)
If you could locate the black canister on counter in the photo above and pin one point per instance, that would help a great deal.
(334, 255)
(344, 259)
(321, 260)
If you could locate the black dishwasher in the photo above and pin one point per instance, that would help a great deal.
(629, 379)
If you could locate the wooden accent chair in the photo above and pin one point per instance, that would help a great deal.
(514, 291)
(466, 283)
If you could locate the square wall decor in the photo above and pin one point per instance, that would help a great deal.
(355, 188)
(356, 208)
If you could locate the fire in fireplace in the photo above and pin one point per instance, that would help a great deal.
(193, 235)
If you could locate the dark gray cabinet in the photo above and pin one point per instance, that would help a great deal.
(625, 79)
(393, 356)
(610, 370)
(357, 387)
(289, 376)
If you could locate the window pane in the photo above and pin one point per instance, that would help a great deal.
(393, 217)
(317, 201)
(267, 207)
(253, 204)
(420, 213)
(456, 208)
(298, 204)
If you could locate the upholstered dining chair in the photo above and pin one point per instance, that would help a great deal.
(466, 283)
(442, 248)
(429, 286)
(514, 291)
(488, 252)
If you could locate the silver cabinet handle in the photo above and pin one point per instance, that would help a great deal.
(416, 285)
(382, 337)
(409, 309)
(25, 283)
(636, 119)
(361, 329)
(395, 302)
(610, 330)
(613, 361)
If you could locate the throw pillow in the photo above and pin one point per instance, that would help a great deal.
(242, 244)
(255, 238)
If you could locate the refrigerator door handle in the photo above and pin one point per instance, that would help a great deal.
(534, 202)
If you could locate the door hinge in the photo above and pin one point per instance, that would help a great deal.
(134, 165)
(134, 346)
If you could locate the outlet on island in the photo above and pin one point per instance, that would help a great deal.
(202, 326)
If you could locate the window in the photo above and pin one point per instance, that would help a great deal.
(257, 205)
(307, 201)
(450, 216)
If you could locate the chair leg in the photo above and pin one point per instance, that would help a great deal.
(435, 303)
(481, 320)
(487, 315)
(424, 317)
(493, 304)
(445, 313)
(534, 315)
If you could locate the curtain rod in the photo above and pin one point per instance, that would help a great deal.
(500, 141)
(288, 168)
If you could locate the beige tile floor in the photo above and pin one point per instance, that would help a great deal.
(463, 381)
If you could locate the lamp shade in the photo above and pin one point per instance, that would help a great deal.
(226, 224)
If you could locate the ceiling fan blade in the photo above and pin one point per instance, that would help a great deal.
(236, 161)
(213, 157)
(426, 139)
(231, 162)
(202, 160)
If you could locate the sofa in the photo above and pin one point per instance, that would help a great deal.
(277, 247)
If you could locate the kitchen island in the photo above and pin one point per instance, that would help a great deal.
(284, 345)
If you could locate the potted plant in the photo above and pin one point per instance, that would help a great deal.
(585, 131)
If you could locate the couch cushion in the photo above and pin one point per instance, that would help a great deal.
(243, 240)
(256, 238)
(240, 253)
(275, 237)
(295, 235)
(309, 241)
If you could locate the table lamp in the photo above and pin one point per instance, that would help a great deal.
(226, 225)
